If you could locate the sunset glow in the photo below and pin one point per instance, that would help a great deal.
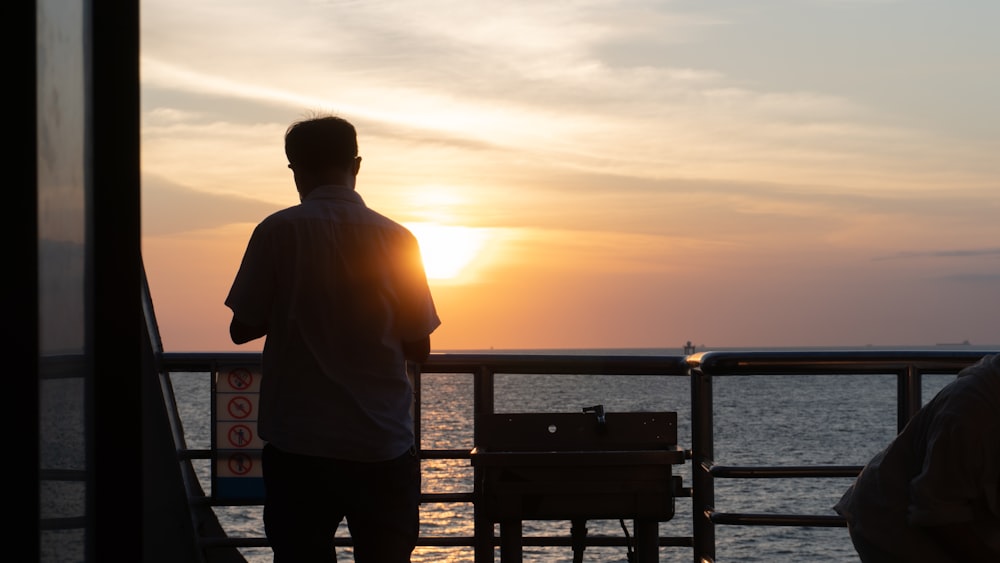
(447, 250)
(601, 174)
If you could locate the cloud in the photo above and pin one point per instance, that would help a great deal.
(555, 80)
(948, 253)
(986, 279)
(169, 208)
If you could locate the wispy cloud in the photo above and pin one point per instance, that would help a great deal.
(549, 79)
(950, 253)
(987, 279)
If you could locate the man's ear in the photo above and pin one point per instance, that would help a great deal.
(356, 166)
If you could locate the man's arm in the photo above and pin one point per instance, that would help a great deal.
(242, 333)
(417, 351)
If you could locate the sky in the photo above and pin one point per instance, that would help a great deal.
(600, 174)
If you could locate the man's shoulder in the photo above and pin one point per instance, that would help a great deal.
(348, 213)
(984, 372)
(991, 363)
(367, 216)
(386, 222)
(975, 394)
(278, 217)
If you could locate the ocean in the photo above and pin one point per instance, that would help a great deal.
(759, 420)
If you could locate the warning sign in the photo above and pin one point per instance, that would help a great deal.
(242, 465)
(238, 379)
(236, 469)
(240, 436)
(239, 407)
(236, 406)
(236, 436)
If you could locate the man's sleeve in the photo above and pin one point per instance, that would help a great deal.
(252, 291)
(417, 316)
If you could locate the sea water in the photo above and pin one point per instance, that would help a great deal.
(759, 420)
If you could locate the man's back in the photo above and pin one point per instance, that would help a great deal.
(345, 279)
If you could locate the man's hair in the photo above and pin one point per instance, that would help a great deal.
(321, 143)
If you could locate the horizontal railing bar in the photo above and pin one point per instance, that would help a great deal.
(556, 365)
(599, 541)
(887, 362)
(227, 541)
(723, 363)
(862, 362)
(222, 502)
(192, 453)
(425, 498)
(752, 519)
(62, 475)
(783, 472)
(64, 523)
(62, 366)
(541, 364)
(464, 541)
(429, 498)
(446, 454)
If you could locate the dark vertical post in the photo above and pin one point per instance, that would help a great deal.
(510, 541)
(702, 459)
(908, 395)
(115, 312)
(482, 388)
(21, 353)
(647, 540)
(413, 372)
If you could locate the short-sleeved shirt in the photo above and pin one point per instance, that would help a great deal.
(943, 468)
(339, 288)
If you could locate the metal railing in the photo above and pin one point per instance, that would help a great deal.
(907, 366)
(701, 368)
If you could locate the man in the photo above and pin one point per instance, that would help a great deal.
(933, 495)
(341, 295)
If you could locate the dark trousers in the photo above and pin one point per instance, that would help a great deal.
(306, 498)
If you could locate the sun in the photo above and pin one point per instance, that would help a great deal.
(447, 250)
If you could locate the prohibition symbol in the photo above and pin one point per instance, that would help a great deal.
(240, 435)
(239, 407)
(240, 464)
(240, 378)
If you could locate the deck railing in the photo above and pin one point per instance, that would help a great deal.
(907, 366)
(701, 369)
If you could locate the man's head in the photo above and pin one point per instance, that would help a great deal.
(322, 150)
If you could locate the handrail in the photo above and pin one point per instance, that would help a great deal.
(906, 365)
(783, 472)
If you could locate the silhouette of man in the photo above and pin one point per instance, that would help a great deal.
(933, 495)
(339, 292)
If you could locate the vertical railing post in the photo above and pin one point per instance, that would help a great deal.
(909, 397)
(413, 373)
(482, 388)
(702, 458)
